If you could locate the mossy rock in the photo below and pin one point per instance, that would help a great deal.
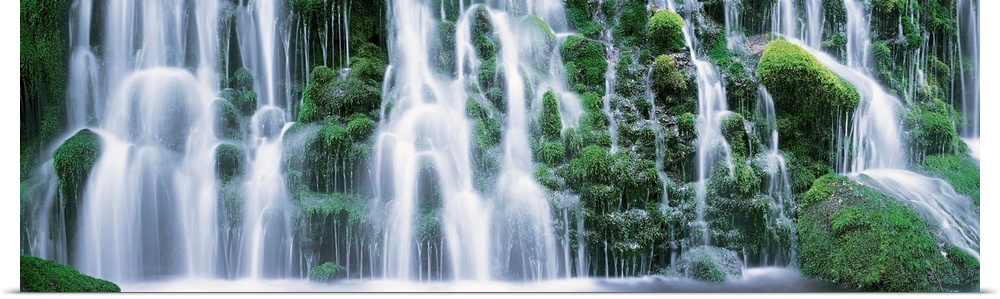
(550, 118)
(75, 158)
(230, 162)
(630, 28)
(865, 240)
(552, 153)
(807, 95)
(586, 63)
(667, 78)
(538, 42)
(665, 32)
(932, 128)
(226, 123)
(39, 275)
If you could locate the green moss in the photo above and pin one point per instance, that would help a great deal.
(735, 132)
(630, 28)
(324, 273)
(579, 15)
(592, 166)
(230, 162)
(586, 63)
(544, 175)
(39, 275)
(486, 127)
(666, 77)
(665, 33)
(226, 123)
(859, 237)
(75, 158)
(444, 50)
(550, 119)
(483, 37)
(932, 129)
(807, 95)
(552, 153)
(959, 170)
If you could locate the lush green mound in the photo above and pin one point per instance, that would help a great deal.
(665, 32)
(666, 77)
(586, 62)
(808, 97)
(865, 240)
(38, 275)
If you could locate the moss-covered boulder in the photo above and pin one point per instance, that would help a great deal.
(665, 32)
(39, 275)
(808, 98)
(226, 123)
(865, 240)
(550, 119)
(667, 78)
(73, 162)
(230, 162)
(539, 42)
(579, 15)
(586, 63)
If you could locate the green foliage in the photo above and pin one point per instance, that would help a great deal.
(75, 158)
(807, 95)
(230, 162)
(39, 275)
(859, 237)
(550, 120)
(665, 33)
(586, 62)
(579, 15)
(735, 132)
(932, 129)
(592, 166)
(630, 28)
(961, 171)
(324, 273)
(666, 77)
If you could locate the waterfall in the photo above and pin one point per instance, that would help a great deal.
(968, 48)
(711, 111)
(779, 185)
(872, 145)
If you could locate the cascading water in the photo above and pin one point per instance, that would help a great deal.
(968, 49)
(779, 186)
(421, 130)
(870, 148)
(712, 109)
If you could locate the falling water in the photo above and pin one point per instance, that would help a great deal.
(968, 49)
(779, 186)
(872, 143)
(711, 111)
(734, 33)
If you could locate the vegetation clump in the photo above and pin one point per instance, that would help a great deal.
(667, 78)
(808, 98)
(586, 62)
(324, 273)
(865, 240)
(665, 32)
(39, 275)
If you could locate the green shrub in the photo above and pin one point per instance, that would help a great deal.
(39, 275)
(552, 153)
(580, 17)
(665, 32)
